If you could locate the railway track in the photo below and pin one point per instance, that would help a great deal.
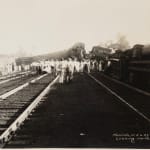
(17, 76)
(13, 75)
(20, 87)
(81, 114)
(18, 104)
(136, 99)
(16, 82)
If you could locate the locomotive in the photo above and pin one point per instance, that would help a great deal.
(132, 66)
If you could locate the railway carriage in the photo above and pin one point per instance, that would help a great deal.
(132, 66)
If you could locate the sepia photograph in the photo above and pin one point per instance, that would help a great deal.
(75, 74)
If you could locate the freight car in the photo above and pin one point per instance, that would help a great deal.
(132, 66)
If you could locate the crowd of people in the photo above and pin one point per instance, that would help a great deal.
(66, 68)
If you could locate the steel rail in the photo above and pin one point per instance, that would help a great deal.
(8, 133)
(13, 75)
(120, 98)
(128, 86)
(7, 94)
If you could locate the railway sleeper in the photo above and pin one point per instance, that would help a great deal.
(27, 94)
(19, 142)
(8, 115)
(11, 107)
(9, 110)
(13, 104)
(19, 100)
(5, 121)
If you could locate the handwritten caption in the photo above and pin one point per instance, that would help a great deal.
(132, 137)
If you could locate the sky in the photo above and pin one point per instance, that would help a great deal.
(44, 26)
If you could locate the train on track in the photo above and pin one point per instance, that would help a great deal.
(132, 66)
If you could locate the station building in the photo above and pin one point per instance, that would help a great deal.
(7, 65)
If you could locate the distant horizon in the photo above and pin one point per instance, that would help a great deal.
(45, 26)
(55, 51)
